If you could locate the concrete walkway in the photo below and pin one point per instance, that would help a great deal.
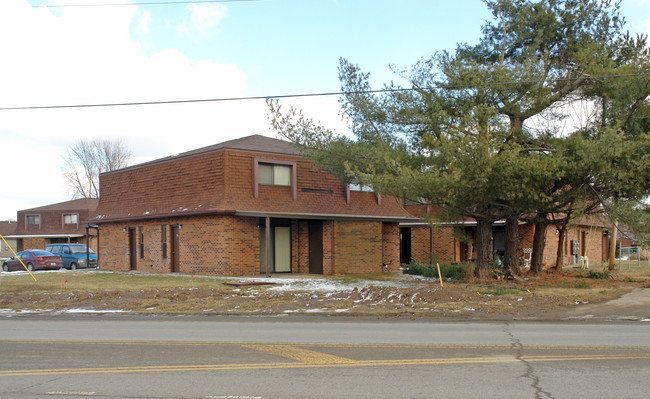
(633, 306)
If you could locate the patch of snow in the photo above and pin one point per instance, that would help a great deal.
(92, 311)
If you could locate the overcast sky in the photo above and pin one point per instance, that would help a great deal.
(138, 53)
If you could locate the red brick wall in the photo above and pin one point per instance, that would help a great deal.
(230, 246)
(40, 243)
(358, 247)
(445, 247)
(594, 241)
(390, 245)
(34, 243)
(220, 245)
(301, 246)
(329, 243)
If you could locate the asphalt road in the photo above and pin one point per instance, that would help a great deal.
(178, 357)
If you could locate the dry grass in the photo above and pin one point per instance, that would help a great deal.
(377, 295)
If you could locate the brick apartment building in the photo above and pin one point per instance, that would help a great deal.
(56, 223)
(213, 211)
(442, 243)
(7, 228)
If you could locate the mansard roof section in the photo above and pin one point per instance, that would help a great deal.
(80, 204)
(220, 179)
(7, 227)
(254, 143)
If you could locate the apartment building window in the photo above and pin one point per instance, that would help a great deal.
(271, 172)
(71, 218)
(274, 175)
(33, 220)
(361, 187)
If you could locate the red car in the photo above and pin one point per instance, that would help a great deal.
(34, 259)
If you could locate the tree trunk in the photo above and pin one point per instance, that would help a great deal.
(539, 241)
(483, 245)
(511, 258)
(559, 259)
(612, 247)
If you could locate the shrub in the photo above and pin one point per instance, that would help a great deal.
(604, 275)
(576, 284)
(454, 271)
(497, 290)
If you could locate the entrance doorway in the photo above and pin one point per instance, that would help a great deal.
(315, 247)
(175, 254)
(133, 248)
(405, 245)
(279, 246)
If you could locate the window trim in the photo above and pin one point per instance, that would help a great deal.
(63, 223)
(294, 174)
(27, 225)
(349, 190)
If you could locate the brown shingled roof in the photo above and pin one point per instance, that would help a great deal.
(217, 180)
(256, 143)
(7, 228)
(73, 205)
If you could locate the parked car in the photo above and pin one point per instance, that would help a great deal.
(73, 255)
(34, 259)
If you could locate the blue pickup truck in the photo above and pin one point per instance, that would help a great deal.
(74, 255)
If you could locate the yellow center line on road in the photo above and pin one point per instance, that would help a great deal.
(302, 355)
(323, 345)
(368, 363)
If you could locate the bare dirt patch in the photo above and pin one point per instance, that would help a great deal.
(381, 296)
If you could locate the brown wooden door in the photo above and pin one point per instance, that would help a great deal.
(175, 255)
(316, 247)
(133, 248)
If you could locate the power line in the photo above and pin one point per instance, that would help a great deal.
(323, 94)
(138, 3)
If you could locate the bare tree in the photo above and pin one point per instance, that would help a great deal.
(87, 159)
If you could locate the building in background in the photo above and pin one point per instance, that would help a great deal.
(7, 228)
(56, 223)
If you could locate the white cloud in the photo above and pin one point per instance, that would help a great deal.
(87, 56)
(203, 21)
(144, 22)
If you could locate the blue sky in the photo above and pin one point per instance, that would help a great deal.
(288, 46)
(113, 54)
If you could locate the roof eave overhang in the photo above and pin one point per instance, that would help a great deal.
(450, 224)
(279, 215)
(132, 218)
(323, 216)
(15, 236)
